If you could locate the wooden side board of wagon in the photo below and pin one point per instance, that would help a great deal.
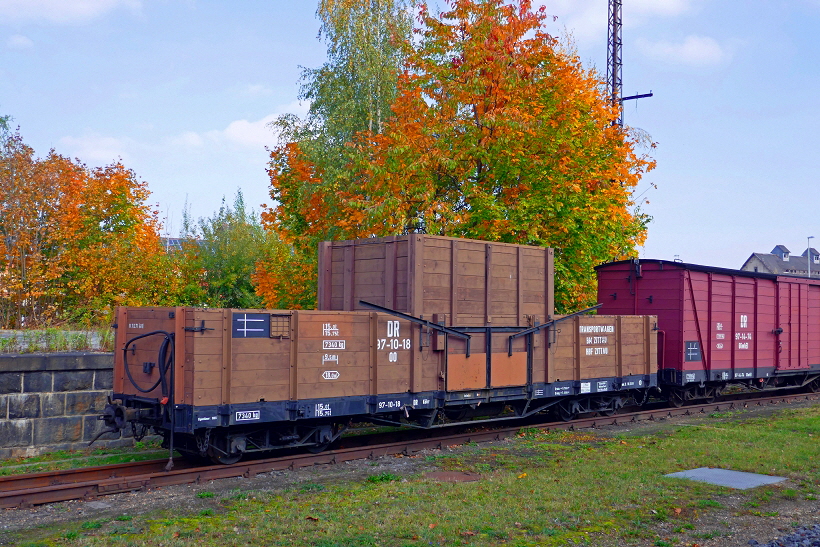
(473, 283)
(228, 381)
(720, 326)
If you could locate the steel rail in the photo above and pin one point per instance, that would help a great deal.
(38, 488)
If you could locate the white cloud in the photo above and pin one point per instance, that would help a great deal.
(256, 90)
(189, 139)
(251, 134)
(95, 149)
(586, 20)
(61, 11)
(18, 41)
(694, 51)
(247, 134)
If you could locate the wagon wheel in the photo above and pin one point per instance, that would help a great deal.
(218, 457)
(567, 411)
(608, 412)
(710, 395)
(224, 459)
(676, 397)
(814, 385)
(321, 447)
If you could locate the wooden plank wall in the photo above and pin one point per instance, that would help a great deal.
(473, 282)
(205, 357)
(602, 346)
(132, 322)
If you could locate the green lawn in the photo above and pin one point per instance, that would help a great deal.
(542, 489)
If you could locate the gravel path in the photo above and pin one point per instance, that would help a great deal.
(802, 537)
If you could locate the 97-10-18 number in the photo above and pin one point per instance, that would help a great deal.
(393, 343)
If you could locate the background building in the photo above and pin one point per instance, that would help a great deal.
(781, 261)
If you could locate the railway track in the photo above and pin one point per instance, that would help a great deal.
(19, 491)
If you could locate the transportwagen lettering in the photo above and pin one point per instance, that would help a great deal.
(584, 329)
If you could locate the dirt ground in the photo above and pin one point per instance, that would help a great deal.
(734, 523)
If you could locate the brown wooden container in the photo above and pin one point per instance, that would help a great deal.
(579, 348)
(226, 356)
(601, 346)
(467, 282)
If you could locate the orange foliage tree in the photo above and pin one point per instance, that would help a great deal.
(75, 241)
(352, 92)
(498, 133)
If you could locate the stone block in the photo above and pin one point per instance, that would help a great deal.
(36, 382)
(25, 405)
(92, 427)
(15, 433)
(11, 382)
(104, 379)
(75, 380)
(76, 360)
(4, 406)
(85, 402)
(52, 404)
(64, 429)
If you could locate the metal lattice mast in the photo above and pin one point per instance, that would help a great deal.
(614, 63)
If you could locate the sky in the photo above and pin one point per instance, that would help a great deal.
(181, 91)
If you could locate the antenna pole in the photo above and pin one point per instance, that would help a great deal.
(614, 62)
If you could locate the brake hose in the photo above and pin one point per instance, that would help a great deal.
(165, 360)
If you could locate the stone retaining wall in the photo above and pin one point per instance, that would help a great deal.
(51, 401)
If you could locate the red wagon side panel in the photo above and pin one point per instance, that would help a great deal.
(719, 324)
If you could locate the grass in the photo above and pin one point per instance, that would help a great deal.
(57, 339)
(63, 459)
(543, 489)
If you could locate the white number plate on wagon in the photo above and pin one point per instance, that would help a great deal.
(247, 415)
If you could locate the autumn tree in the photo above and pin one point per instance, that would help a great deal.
(75, 241)
(498, 133)
(107, 246)
(350, 93)
(27, 215)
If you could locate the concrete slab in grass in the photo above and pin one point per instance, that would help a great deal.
(726, 477)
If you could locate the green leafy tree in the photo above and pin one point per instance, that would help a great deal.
(220, 255)
(352, 92)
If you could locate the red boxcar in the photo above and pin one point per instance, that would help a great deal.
(720, 325)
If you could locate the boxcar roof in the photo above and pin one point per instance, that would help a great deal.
(698, 268)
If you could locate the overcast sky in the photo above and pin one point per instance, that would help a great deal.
(182, 91)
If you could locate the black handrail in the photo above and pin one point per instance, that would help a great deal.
(547, 324)
(425, 322)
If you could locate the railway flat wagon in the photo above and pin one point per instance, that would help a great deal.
(223, 382)
(720, 326)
